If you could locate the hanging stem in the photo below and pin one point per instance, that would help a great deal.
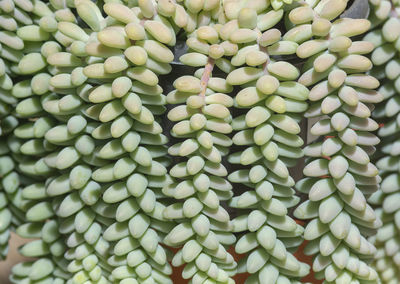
(206, 76)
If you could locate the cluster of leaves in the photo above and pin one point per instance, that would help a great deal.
(384, 35)
(84, 164)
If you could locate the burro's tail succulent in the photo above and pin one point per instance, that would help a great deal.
(88, 172)
(8, 174)
(384, 35)
(7, 166)
(340, 175)
(266, 128)
(112, 154)
(200, 185)
(128, 112)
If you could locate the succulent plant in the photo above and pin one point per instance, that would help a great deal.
(89, 169)
(199, 186)
(266, 125)
(339, 174)
(25, 44)
(10, 178)
(127, 109)
(385, 37)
